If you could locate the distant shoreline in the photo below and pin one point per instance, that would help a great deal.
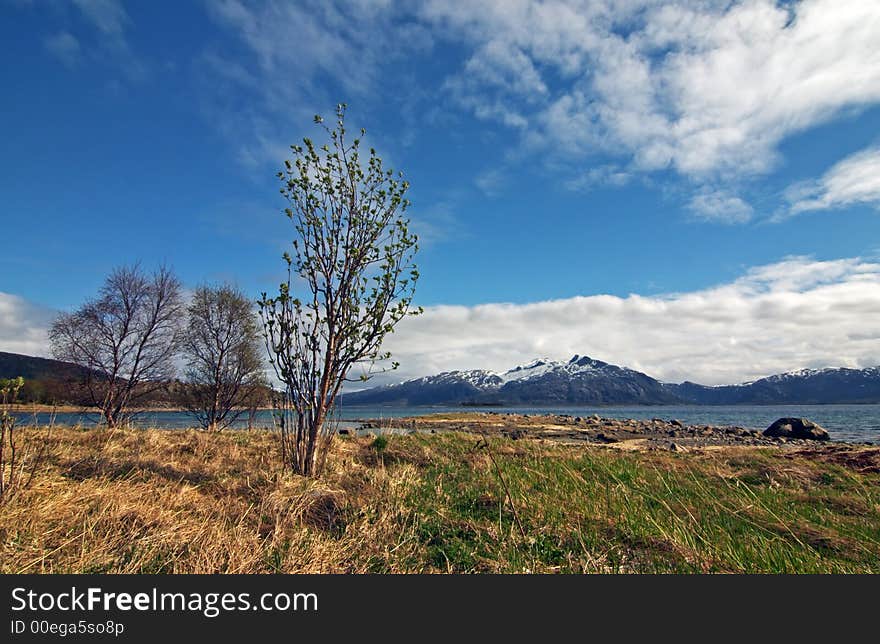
(41, 408)
(20, 408)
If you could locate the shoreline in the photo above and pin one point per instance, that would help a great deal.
(629, 434)
(623, 433)
(41, 408)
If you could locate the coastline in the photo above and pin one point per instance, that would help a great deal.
(630, 434)
(41, 408)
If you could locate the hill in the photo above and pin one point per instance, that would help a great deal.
(13, 365)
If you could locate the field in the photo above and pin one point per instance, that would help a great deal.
(154, 501)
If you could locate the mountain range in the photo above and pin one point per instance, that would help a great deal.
(585, 381)
(579, 381)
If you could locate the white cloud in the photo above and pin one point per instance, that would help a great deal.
(24, 326)
(707, 88)
(792, 314)
(65, 48)
(854, 180)
(721, 207)
(603, 175)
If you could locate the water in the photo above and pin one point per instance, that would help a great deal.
(856, 423)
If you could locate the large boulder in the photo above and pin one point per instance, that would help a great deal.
(797, 428)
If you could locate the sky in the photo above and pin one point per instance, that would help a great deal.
(686, 188)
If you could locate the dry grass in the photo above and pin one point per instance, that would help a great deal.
(154, 501)
(183, 501)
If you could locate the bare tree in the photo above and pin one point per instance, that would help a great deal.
(126, 339)
(352, 260)
(223, 353)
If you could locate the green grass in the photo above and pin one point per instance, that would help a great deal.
(600, 510)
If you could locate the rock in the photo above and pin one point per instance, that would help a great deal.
(344, 432)
(797, 428)
(676, 422)
(605, 438)
(675, 447)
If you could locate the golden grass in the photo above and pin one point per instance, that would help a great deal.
(186, 502)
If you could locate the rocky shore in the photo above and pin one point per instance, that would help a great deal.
(654, 434)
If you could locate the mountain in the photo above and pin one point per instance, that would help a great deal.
(450, 387)
(13, 365)
(803, 387)
(585, 381)
(580, 381)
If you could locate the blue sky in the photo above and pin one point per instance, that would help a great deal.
(558, 152)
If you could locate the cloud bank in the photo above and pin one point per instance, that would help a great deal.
(793, 314)
(24, 326)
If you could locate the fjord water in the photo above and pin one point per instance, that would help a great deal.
(855, 423)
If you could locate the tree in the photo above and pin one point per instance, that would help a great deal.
(353, 263)
(126, 339)
(9, 475)
(223, 355)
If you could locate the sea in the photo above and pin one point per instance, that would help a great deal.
(850, 423)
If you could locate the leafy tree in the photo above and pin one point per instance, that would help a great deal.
(126, 339)
(223, 355)
(352, 261)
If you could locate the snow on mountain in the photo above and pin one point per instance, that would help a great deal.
(476, 377)
(576, 366)
(580, 380)
(812, 373)
(585, 381)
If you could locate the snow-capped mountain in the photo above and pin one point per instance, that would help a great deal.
(804, 386)
(585, 381)
(580, 380)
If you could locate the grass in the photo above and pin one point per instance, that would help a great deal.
(153, 501)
